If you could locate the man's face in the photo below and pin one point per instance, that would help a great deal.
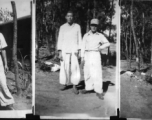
(93, 28)
(69, 17)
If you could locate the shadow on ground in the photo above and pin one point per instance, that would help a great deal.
(51, 101)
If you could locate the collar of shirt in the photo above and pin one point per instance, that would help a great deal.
(90, 33)
(70, 25)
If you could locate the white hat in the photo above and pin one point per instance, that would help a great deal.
(94, 21)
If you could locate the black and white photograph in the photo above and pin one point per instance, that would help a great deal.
(15, 58)
(75, 58)
(136, 59)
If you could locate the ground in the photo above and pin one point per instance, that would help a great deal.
(21, 103)
(136, 96)
(50, 101)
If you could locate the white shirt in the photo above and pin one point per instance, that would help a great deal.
(3, 43)
(69, 39)
(92, 42)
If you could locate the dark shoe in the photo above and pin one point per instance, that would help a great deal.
(75, 90)
(85, 91)
(63, 87)
(100, 96)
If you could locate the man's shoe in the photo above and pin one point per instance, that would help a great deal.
(100, 95)
(10, 107)
(63, 87)
(75, 90)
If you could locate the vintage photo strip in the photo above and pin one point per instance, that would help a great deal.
(136, 59)
(77, 58)
(16, 71)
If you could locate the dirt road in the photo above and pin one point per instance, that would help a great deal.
(136, 97)
(50, 101)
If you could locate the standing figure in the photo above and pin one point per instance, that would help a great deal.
(69, 41)
(6, 99)
(93, 42)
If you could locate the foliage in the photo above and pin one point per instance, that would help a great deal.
(50, 15)
(142, 17)
(5, 15)
(24, 72)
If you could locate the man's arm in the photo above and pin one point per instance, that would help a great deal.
(59, 44)
(83, 50)
(4, 59)
(104, 43)
(79, 42)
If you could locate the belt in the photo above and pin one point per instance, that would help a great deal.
(91, 50)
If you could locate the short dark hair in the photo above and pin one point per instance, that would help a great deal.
(70, 11)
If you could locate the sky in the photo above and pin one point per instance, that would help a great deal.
(22, 6)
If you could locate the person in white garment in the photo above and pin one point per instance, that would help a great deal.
(93, 42)
(6, 99)
(69, 42)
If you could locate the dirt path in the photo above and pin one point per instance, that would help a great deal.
(136, 97)
(50, 101)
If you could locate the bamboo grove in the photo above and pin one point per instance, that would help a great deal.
(51, 15)
(136, 32)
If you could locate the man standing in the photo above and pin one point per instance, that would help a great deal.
(69, 41)
(6, 99)
(93, 42)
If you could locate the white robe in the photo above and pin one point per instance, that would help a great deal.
(69, 42)
(69, 70)
(5, 96)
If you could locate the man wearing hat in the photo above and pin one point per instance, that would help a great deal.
(93, 42)
(69, 42)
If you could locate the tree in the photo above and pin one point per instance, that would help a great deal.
(51, 15)
(137, 16)
(134, 35)
(112, 4)
(15, 48)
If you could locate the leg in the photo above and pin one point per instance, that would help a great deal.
(96, 73)
(87, 76)
(75, 73)
(64, 71)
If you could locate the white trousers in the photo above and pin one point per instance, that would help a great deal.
(93, 71)
(5, 96)
(69, 70)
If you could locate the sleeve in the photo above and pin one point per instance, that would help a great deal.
(79, 38)
(3, 43)
(104, 39)
(60, 39)
(83, 45)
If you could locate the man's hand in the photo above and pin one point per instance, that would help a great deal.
(79, 54)
(60, 55)
(76, 54)
(82, 62)
(6, 68)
